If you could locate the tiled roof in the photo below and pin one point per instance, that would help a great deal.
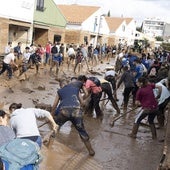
(76, 14)
(114, 22)
(128, 20)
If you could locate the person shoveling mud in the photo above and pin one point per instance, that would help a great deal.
(69, 110)
(23, 121)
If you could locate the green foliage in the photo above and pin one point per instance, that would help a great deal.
(139, 29)
(146, 42)
(158, 38)
(108, 14)
(166, 46)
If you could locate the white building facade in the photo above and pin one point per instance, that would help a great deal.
(19, 16)
(130, 32)
(153, 27)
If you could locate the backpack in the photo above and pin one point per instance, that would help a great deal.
(20, 152)
(95, 80)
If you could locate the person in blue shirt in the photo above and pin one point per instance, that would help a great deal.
(125, 61)
(138, 69)
(70, 100)
(132, 58)
(137, 72)
(145, 61)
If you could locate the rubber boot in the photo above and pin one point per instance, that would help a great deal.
(125, 107)
(114, 104)
(37, 68)
(161, 119)
(134, 131)
(89, 147)
(153, 131)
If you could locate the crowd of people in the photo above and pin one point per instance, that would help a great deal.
(53, 55)
(144, 77)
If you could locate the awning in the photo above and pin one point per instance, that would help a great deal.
(93, 34)
(41, 26)
(20, 23)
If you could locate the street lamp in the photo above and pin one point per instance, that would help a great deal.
(100, 25)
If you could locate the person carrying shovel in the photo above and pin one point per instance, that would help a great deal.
(146, 99)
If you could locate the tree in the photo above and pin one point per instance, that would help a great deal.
(158, 38)
(108, 14)
(146, 42)
(139, 29)
(166, 46)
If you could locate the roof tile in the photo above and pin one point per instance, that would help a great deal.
(114, 23)
(76, 14)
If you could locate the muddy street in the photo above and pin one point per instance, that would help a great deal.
(114, 149)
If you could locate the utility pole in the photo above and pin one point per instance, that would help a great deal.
(100, 24)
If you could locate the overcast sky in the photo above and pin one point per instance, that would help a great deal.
(138, 9)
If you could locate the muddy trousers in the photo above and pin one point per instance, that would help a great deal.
(134, 130)
(126, 95)
(75, 116)
(153, 131)
(106, 88)
(112, 80)
(141, 115)
(8, 68)
(136, 127)
(94, 104)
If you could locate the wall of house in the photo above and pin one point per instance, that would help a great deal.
(14, 16)
(3, 34)
(18, 34)
(77, 37)
(130, 32)
(56, 31)
(50, 16)
(111, 40)
(21, 10)
(96, 23)
(72, 36)
(120, 32)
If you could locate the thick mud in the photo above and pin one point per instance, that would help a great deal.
(114, 149)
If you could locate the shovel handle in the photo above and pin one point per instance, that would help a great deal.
(117, 118)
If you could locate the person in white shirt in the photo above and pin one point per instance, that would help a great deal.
(25, 61)
(26, 55)
(71, 52)
(111, 76)
(23, 122)
(8, 62)
(8, 48)
(163, 99)
(71, 55)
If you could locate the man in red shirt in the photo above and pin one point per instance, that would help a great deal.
(96, 93)
(146, 99)
(47, 51)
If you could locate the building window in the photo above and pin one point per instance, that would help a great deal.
(40, 5)
(123, 28)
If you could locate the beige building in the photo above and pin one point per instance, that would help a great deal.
(121, 30)
(80, 27)
(32, 21)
